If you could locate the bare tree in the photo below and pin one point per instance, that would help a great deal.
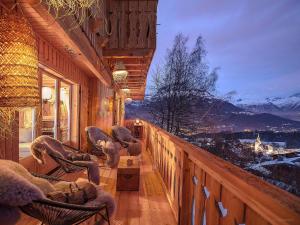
(179, 83)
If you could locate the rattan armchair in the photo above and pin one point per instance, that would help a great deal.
(94, 134)
(58, 213)
(66, 166)
(68, 161)
(125, 138)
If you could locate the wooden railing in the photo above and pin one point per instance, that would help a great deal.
(205, 189)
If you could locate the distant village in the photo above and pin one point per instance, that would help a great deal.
(271, 160)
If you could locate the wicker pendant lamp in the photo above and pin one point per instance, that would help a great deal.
(119, 73)
(18, 70)
(18, 63)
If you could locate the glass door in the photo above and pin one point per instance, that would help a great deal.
(64, 122)
(60, 109)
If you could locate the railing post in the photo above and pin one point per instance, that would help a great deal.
(184, 190)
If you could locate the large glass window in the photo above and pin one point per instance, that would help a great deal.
(26, 131)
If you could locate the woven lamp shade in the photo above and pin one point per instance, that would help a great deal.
(18, 63)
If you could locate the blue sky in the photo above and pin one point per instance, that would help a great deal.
(256, 43)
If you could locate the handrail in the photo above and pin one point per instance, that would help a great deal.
(199, 183)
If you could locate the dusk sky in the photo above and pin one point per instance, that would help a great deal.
(256, 43)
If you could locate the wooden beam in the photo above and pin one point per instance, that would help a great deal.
(126, 53)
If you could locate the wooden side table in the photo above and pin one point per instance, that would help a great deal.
(128, 176)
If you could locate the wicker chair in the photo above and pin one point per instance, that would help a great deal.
(95, 134)
(58, 152)
(125, 138)
(58, 213)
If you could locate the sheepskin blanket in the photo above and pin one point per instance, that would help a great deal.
(134, 147)
(15, 191)
(122, 133)
(49, 145)
(18, 188)
(93, 170)
(112, 151)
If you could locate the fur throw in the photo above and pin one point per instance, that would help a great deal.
(112, 151)
(15, 191)
(134, 147)
(9, 215)
(78, 192)
(44, 185)
(122, 133)
(93, 170)
(45, 144)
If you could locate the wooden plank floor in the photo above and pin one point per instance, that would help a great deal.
(149, 206)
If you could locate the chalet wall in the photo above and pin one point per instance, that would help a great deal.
(100, 108)
(61, 65)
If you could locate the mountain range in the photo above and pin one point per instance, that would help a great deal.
(214, 115)
(287, 107)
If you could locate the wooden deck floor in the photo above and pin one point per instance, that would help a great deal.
(149, 206)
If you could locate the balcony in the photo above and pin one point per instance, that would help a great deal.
(183, 184)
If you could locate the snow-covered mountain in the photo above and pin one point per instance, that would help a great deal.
(288, 107)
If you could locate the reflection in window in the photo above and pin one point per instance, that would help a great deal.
(64, 118)
(26, 131)
(49, 106)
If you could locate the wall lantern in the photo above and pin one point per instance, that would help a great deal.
(119, 73)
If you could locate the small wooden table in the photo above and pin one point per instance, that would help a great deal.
(128, 177)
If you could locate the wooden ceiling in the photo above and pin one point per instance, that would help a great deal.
(132, 41)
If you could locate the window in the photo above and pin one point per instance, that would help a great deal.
(49, 108)
(26, 131)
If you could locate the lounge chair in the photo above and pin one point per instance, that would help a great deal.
(101, 144)
(68, 161)
(30, 194)
(94, 134)
(125, 138)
